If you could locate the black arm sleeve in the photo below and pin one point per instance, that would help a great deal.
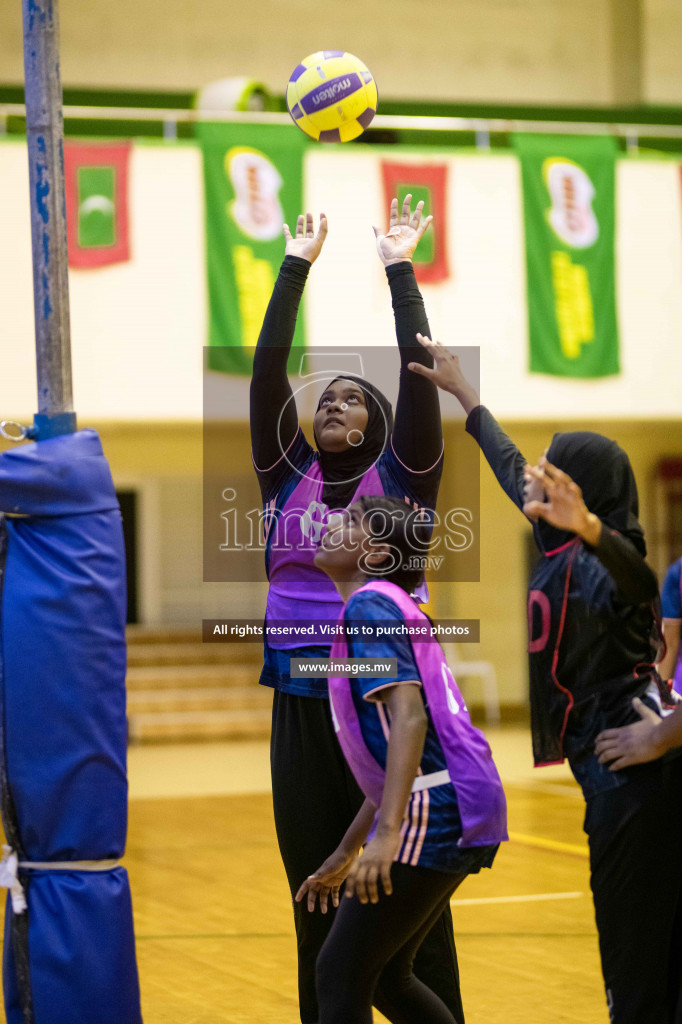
(417, 432)
(635, 580)
(270, 389)
(504, 458)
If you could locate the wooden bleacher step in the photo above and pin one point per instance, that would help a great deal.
(180, 689)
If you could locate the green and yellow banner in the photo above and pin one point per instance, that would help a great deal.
(569, 218)
(253, 176)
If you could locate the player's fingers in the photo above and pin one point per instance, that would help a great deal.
(606, 749)
(386, 879)
(323, 228)
(536, 509)
(361, 884)
(424, 371)
(372, 887)
(427, 342)
(556, 474)
(407, 202)
(309, 228)
(324, 896)
(643, 711)
(621, 762)
(335, 895)
(417, 215)
(424, 225)
(305, 887)
(287, 232)
(605, 737)
(393, 216)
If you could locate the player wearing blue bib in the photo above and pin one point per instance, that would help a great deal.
(434, 808)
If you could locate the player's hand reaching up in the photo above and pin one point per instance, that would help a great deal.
(446, 373)
(307, 245)
(404, 231)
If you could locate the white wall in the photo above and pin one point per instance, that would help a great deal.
(138, 328)
(484, 303)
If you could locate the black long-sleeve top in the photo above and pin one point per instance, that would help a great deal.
(417, 435)
(593, 636)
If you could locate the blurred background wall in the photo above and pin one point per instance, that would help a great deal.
(548, 51)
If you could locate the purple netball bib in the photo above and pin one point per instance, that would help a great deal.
(473, 775)
(298, 590)
(677, 677)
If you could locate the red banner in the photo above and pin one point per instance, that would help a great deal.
(427, 182)
(96, 180)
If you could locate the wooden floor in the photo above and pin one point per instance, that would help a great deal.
(213, 917)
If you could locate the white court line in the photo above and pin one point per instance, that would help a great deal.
(535, 898)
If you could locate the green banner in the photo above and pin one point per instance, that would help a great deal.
(569, 217)
(253, 177)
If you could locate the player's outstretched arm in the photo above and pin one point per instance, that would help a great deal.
(644, 741)
(273, 417)
(404, 231)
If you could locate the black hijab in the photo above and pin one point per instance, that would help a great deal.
(341, 471)
(603, 472)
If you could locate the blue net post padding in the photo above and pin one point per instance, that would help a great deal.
(70, 957)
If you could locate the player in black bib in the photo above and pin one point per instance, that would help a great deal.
(594, 639)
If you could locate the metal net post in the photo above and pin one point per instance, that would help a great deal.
(45, 134)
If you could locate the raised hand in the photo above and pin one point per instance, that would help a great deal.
(564, 507)
(307, 245)
(446, 373)
(404, 231)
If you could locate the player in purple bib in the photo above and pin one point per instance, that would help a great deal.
(434, 808)
(359, 449)
(671, 607)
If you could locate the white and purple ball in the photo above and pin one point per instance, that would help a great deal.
(332, 96)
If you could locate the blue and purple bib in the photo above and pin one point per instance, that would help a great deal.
(468, 781)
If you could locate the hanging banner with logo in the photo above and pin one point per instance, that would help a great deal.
(427, 182)
(253, 177)
(569, 217)
(96, 185)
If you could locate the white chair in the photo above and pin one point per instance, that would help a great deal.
(485, 671)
